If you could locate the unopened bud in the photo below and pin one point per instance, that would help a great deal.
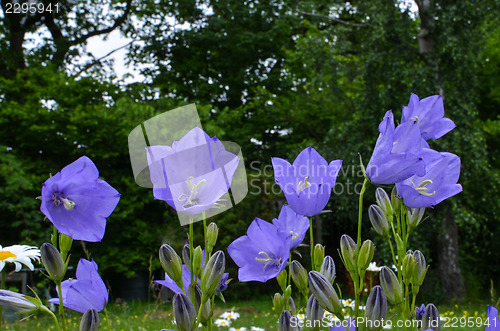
(170, 262)
(348, 251)
(420, 269)
(328, 268)
(431, 319)
(212, 234)
(282, 279)
(299, 275)
(366, 254)
(376, 309)
(53, 262)
(19, 303)
(383, 200)
(314, 313)
(197, 261)
(324, 292)
(395, 201)
(378, 220)
(184, 312)
(213, 273)
(65, 243)
(319, 255)
(90, 320)
(278, 303)
(206, 310)
(415, 216)
(408, 267)
(291, 306)
(391, 286)
(186, 256)
(285, 323)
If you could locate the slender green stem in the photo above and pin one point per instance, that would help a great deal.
(415, 290)
(56, 322)
(202, 303)
(358, 244)
(191, 262)
(107, 317)
(2, 286)
(311, 235)
(61, 306)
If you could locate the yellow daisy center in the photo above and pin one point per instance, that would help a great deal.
(4, 255)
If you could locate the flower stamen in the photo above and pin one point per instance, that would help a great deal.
(191, 199)
(58, 199)
(306, 184)
(267, 260)
(422, 189)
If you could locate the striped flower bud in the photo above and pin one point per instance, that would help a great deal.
(415, 216)
(395, 201)
(348, 251)
(431, 319)
(391, 286)
(171, 262)
(324, 292)
(366, 254)
(376, 309)
(186, 256)
(53, 262)
(206, 310)
(420, 269)
(212, 234)
(378, 220)
(314, 313)
(383, 200)
(285, 322)
(197, 261)
(184, 312)
(278, 303)
(319, 255)
(90, 320)
(299, 275)
(291, 306)
(328, 268)
(408, 267)
(212, 274)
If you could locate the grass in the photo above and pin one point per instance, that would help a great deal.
(142, 316)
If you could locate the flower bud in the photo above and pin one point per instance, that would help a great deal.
(206, 310)
(408, 267)
(184, 312)
(431, 319)
(53, 262)
(391, 286)
(186, 256)
(378, 220)
(224, 282)
(376, 309)
(212, 274)
(18, 302)
(314, 313)
(324, 292)
(299, 275)
(65, 243)
(90, 320)
(291, 306)
(285, 323)
(395, 201)
(348, 251)
(420, 269)
(212, 234)
(278, 303)
(383, 200)
(366, 254)
(415, 216)
(171, 262)
(197, 261)
(319, 255)
(282, 279)
(328, 268)
(419, 312)
(400, 246)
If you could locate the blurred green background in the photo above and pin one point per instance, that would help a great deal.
(274, 77)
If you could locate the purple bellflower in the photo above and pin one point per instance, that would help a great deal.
(186, 281)
(419, 312)
(77, 202)
(347, 325)
(429, 114)
(437, 184)
(193, 173)
(262, 254)
(493, 324)
(290, 222)
(396, 156)
(87, 291)
(308, 183)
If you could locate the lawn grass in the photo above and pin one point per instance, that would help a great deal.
(142, 316)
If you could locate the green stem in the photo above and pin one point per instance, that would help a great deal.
(56, 322)
(311, 235)
(107, 317)
(61, 306)
(358, 244)
(415, 290)
(202, 303)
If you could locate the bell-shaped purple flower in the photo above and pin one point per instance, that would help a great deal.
(262, 254)
(292, 223)
(193, 173)
(308, 183)
(77, 202)
(87, 291)
(493, 322)
(396, 156)
(429, 114)
(437, 184)
(172, 285)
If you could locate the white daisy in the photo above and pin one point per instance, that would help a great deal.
(256, 328)
(230, 315)
(222, 322)
(373, 267)
(18, 254)
(238, 329)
